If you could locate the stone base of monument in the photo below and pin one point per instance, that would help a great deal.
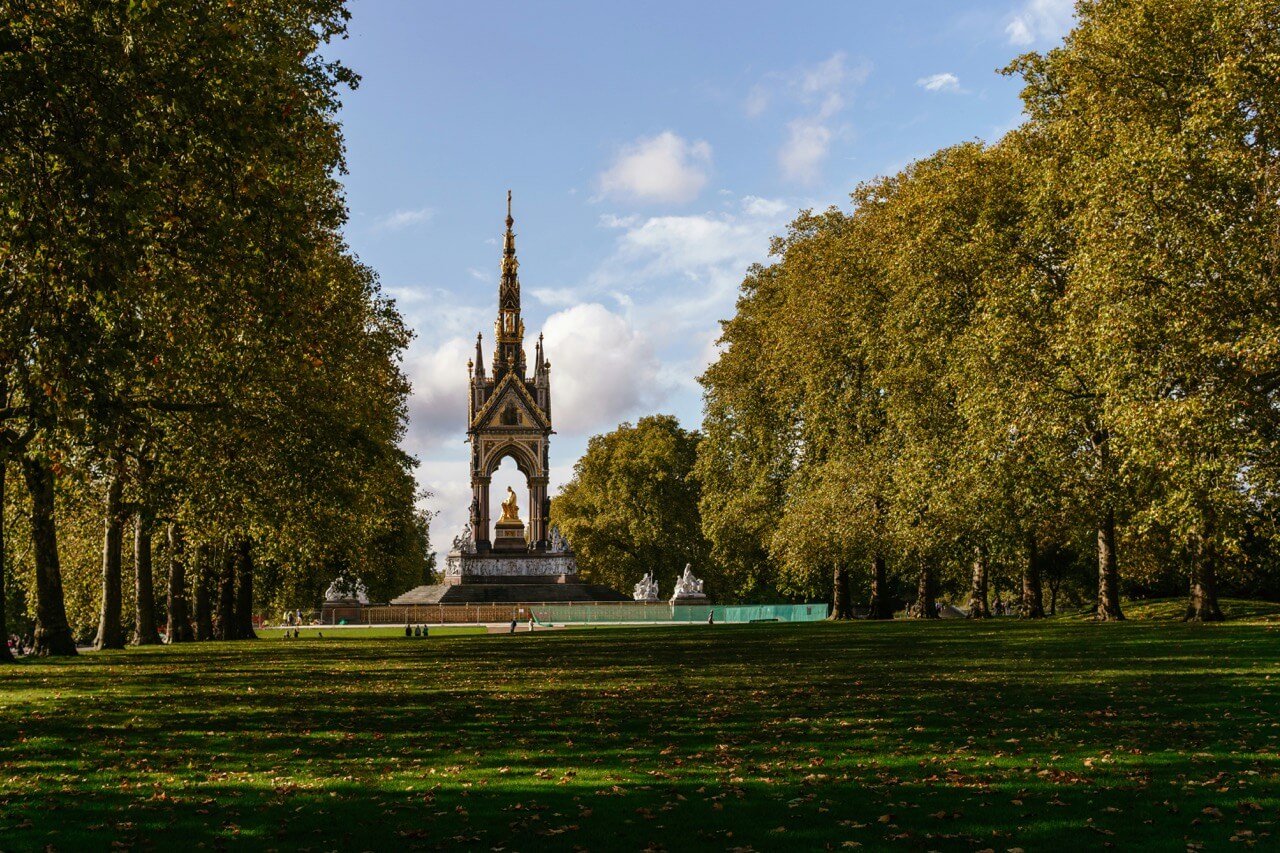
(509, 579)
(334, 612)
(509, 536)
(696, 600)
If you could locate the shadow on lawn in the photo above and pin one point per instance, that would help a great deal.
(939, 736)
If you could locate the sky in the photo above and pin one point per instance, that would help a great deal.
(652, 149)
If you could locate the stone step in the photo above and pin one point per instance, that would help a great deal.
(504, 593)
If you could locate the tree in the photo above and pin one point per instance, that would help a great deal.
(1163, 121)
(749, 443)
(632, 507)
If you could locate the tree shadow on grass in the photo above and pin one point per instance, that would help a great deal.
(935, 736)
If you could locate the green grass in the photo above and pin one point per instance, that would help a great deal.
(1174, 609)
(1150, 735)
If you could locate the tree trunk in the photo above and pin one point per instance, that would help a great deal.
(927, 607)
(978, 589)
(1055, 583)
(225, 620)
(6, 654)
(1032, 594)
(1203, 605)
(176, 606)
(841, 605)
(881, 607)
(53, 634)
(244, 591)
(144, 632)
(110, 632)
(204, 592)
(1108, 572)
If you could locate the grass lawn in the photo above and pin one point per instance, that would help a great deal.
(1150, 734)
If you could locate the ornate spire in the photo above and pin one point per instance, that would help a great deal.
(509, 328)
(509, 289)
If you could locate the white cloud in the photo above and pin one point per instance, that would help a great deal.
(944, 82)
(438, 312)
(450, 498)
(821, 92)
(603, 370)
(825, 76)
(609, 220)
(703, 249)
(438, 404)
(677, 276)
(802, 155)
(403, 219)
(555, 297)
(684, 245)
(1040, 20)
(768, 207)
(663, 168)
(757, 102)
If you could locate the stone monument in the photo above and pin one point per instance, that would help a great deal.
(509, 417)
(688, 588)
(647, 589)
(343, 600)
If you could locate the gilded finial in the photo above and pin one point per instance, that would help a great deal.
(510, 221)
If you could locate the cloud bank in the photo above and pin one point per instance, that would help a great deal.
(603, 370)
(1040, 20)
(663, 168)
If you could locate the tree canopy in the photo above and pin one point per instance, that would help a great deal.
(1009, 358)
(185, 335)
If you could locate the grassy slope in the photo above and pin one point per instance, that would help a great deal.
(946, 736)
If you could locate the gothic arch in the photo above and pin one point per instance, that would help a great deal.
(526, 460)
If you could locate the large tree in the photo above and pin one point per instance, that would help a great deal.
(1165, 131)
(176, 289)
(632, 507)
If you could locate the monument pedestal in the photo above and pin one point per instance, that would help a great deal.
(509, 536)
(512, 577)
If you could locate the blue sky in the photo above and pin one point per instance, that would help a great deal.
(652, 149)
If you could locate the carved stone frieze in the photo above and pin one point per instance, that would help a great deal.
(459, 565)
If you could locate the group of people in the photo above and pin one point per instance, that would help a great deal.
(23, 645)
(416, 631)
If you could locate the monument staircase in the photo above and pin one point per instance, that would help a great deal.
(509, 590)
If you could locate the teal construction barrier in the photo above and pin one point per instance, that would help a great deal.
(622, 613)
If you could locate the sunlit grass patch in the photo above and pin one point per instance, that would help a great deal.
(947, 736)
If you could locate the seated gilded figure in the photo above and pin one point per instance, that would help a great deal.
(510, 512)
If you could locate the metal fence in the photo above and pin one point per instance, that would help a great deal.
(590, 612)
(659, 612)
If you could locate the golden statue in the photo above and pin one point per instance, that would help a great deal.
(510, 512)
